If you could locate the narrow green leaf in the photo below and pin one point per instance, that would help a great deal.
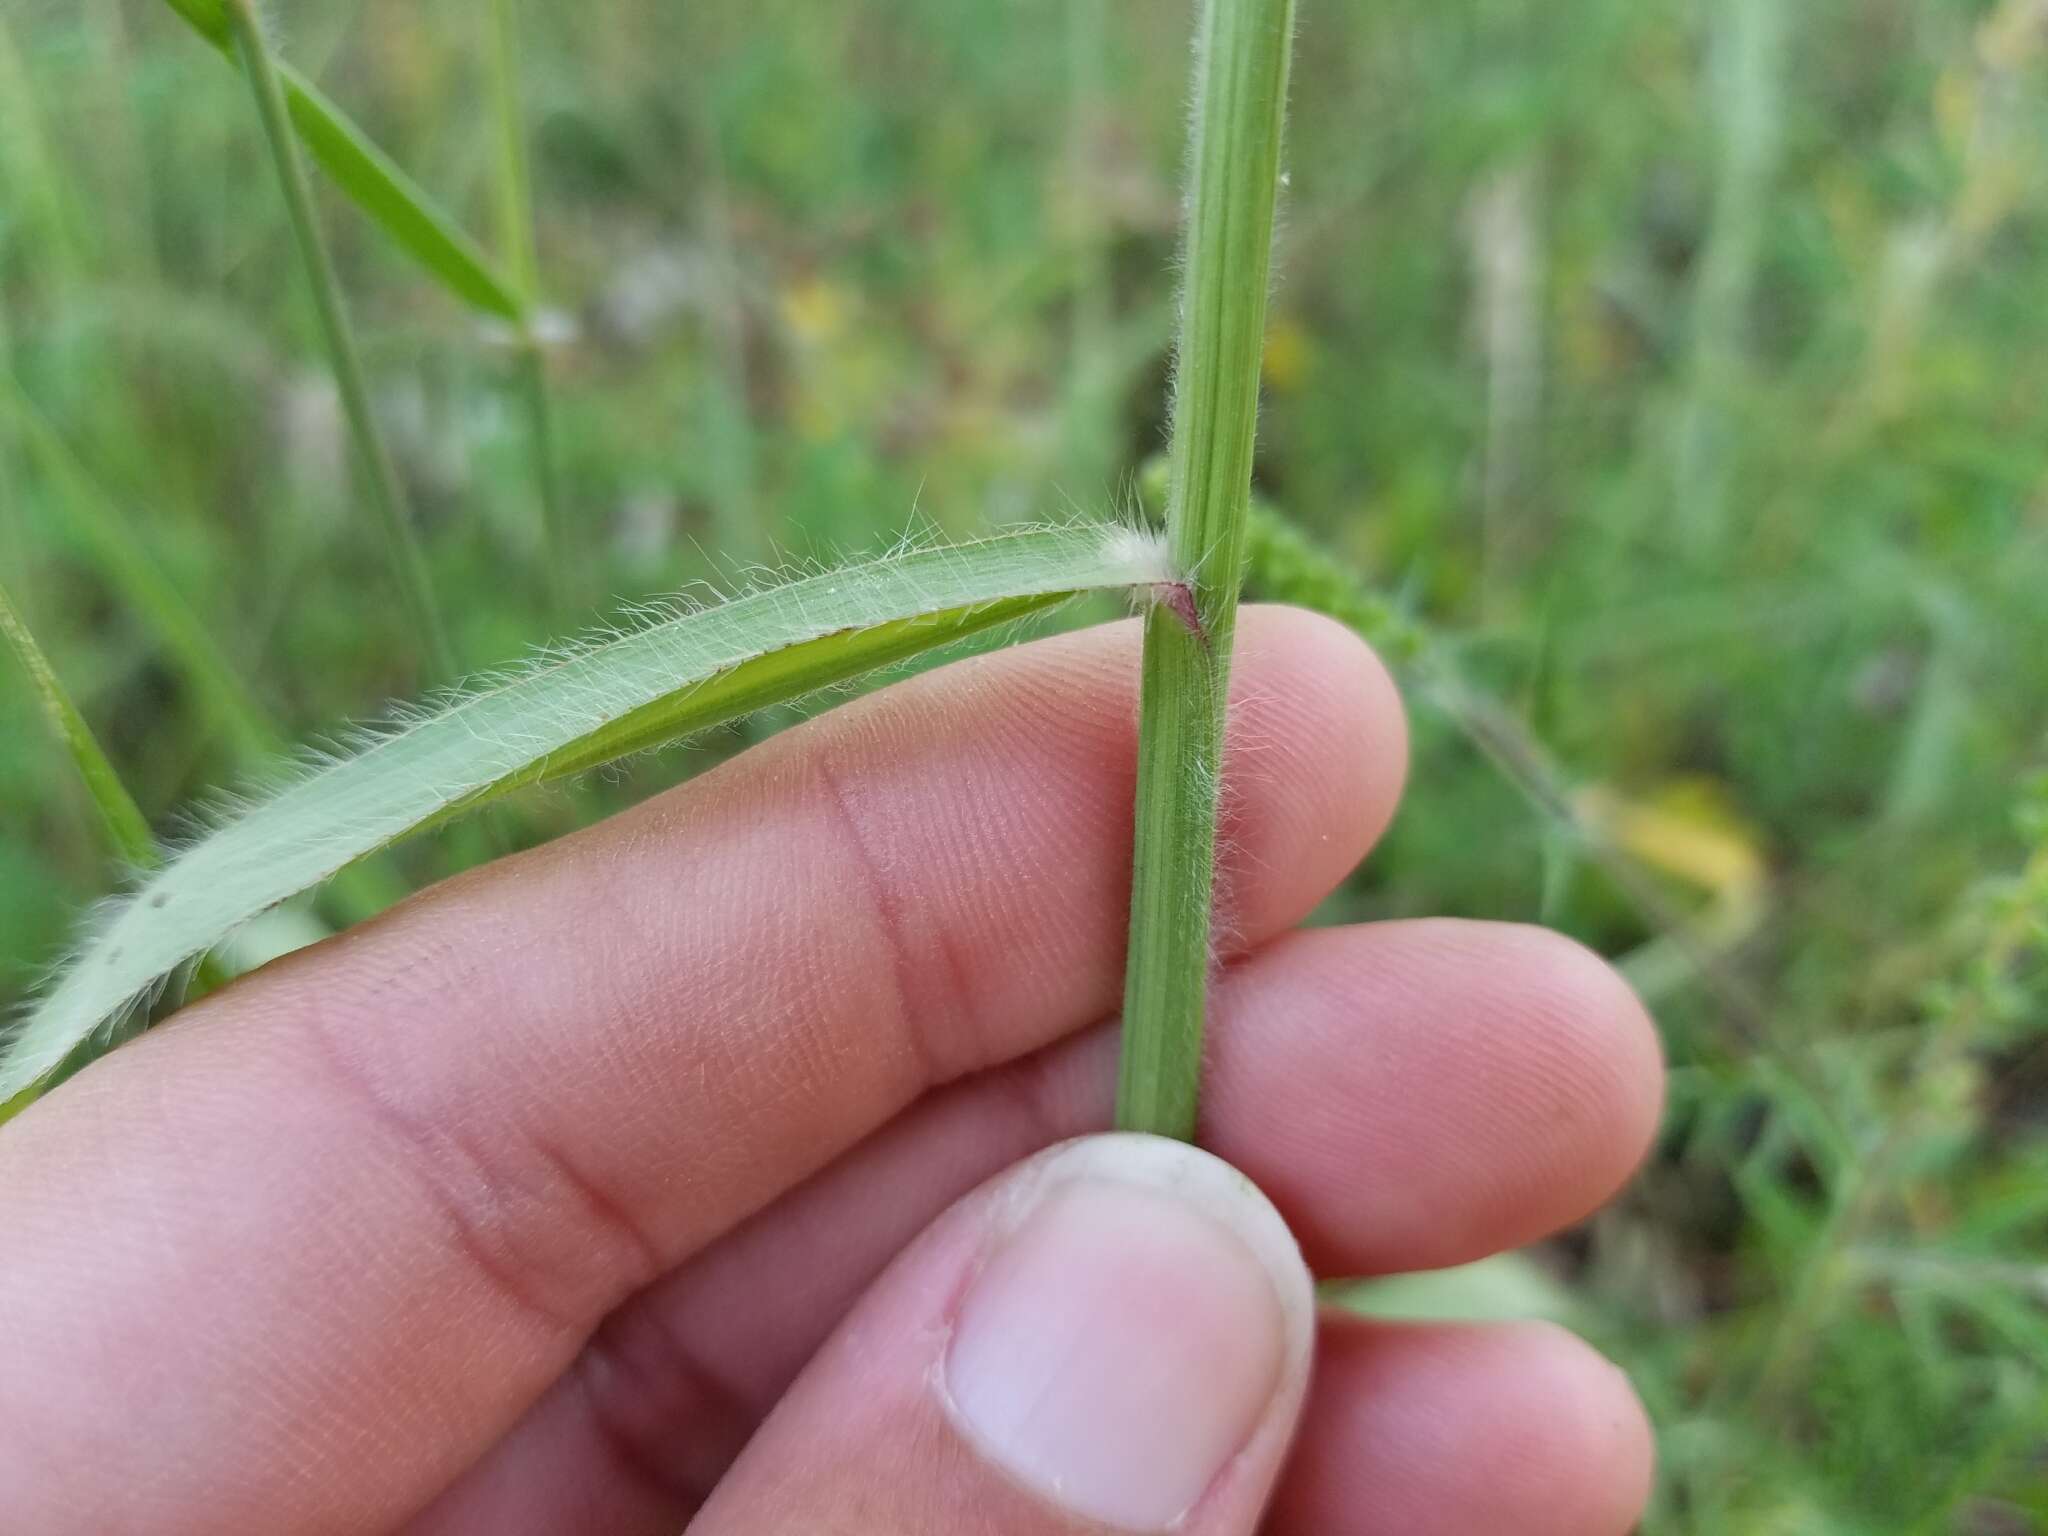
(373, 181)
(127, 829)
(567, 712)
(397, 203)
(209, 18)
(1242, 50)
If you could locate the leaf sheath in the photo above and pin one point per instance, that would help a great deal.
(1241, 64)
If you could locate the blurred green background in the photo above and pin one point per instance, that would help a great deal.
(1684, 363)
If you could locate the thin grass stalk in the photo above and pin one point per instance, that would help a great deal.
(127, 831)
(530, 369)
(1092, 373)
(514, 197)
(1242, 53)
(1748, 78)
(728, 431)
(386, 496)
(514, 183)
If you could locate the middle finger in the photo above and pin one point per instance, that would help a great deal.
(1412, 1095)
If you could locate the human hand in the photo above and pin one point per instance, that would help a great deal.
(640, 1178)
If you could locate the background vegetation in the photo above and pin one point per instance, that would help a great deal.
(1683, 364)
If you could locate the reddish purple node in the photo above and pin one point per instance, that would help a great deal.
(1178, 599)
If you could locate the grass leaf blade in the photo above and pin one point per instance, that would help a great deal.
(373, 181)
(566, 713)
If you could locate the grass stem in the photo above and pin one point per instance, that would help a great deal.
(128, 835)
(514, 198)
(1241, 63)
(514, 182)
(386, 495)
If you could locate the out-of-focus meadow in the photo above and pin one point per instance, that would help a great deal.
(1685, 364)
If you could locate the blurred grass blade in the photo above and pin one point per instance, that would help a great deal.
(181, 639)
(369, 177)
(514, 183)
(517, 244)
(567, 712)
(127, 829)
(397, 203)
(185, 642)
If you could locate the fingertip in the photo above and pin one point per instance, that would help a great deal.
(1335, 689)
(1580, 1422)
(1402, 1413)
(1504, 1081)
(1601, 1032)
(1316, 759)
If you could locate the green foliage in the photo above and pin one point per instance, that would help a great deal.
(1492, 351)
(118, 554)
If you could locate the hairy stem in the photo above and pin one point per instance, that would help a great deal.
(1241, 62)
(385, 493)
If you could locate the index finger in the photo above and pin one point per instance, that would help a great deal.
(384, 1189)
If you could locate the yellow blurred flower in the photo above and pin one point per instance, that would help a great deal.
(1288, 356)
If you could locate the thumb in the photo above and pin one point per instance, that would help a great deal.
(1114, 1334)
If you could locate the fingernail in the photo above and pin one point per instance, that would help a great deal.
(1132, 1329)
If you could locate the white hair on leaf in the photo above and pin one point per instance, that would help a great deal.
(679, 668)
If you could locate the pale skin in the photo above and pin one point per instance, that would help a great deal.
(669, 1175)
